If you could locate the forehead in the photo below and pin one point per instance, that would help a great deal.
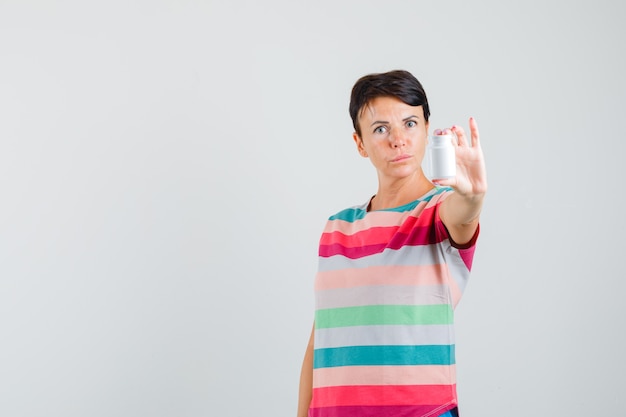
(388, 107)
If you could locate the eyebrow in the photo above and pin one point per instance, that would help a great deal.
(414, 116)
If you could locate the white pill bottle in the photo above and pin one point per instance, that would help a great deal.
(441, 158)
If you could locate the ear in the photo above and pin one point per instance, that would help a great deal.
(359, 145)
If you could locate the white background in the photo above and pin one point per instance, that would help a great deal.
(166, 168)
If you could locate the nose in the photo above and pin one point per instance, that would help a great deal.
(397, 138)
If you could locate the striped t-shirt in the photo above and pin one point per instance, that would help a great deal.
(385, 292)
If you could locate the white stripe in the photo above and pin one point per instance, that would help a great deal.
(383, 295)
(440, 334)
(456, 267)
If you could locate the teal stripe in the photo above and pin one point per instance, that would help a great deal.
(350, 215)
(384, 355)
(384, 315)
(357, 213)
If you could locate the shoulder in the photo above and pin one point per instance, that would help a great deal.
(435, 197)
(351, 214)
(439, 194)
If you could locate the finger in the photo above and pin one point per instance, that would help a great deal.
(448, 182)
(474, 131)
(441, 132)
(460, 135)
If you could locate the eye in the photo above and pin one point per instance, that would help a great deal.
(380, 129)
(411, 123)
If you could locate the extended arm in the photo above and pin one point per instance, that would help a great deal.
(460, 212)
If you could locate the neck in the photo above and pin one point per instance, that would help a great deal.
(400, 193)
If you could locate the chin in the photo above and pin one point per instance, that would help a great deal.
(407, 171)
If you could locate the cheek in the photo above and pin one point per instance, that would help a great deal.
(420, 146)
(421, 141)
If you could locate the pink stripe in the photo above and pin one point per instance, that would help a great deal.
(374, 218)
(387, 218)
(326, 251)
(347, 234)
(382, 411)
(368, 395)
(468, 255)
(382, 275)
(420, 216)
(365, 237)
(416, 236)
(384, 375)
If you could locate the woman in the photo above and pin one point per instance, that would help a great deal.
(392, 270)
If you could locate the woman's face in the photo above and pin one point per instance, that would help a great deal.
(393, 137)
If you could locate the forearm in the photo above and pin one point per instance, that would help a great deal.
(461, 210)
(460, 215)
(305, 392)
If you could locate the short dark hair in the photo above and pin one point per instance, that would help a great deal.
(397, 83)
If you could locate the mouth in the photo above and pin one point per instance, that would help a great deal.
(401, 158)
